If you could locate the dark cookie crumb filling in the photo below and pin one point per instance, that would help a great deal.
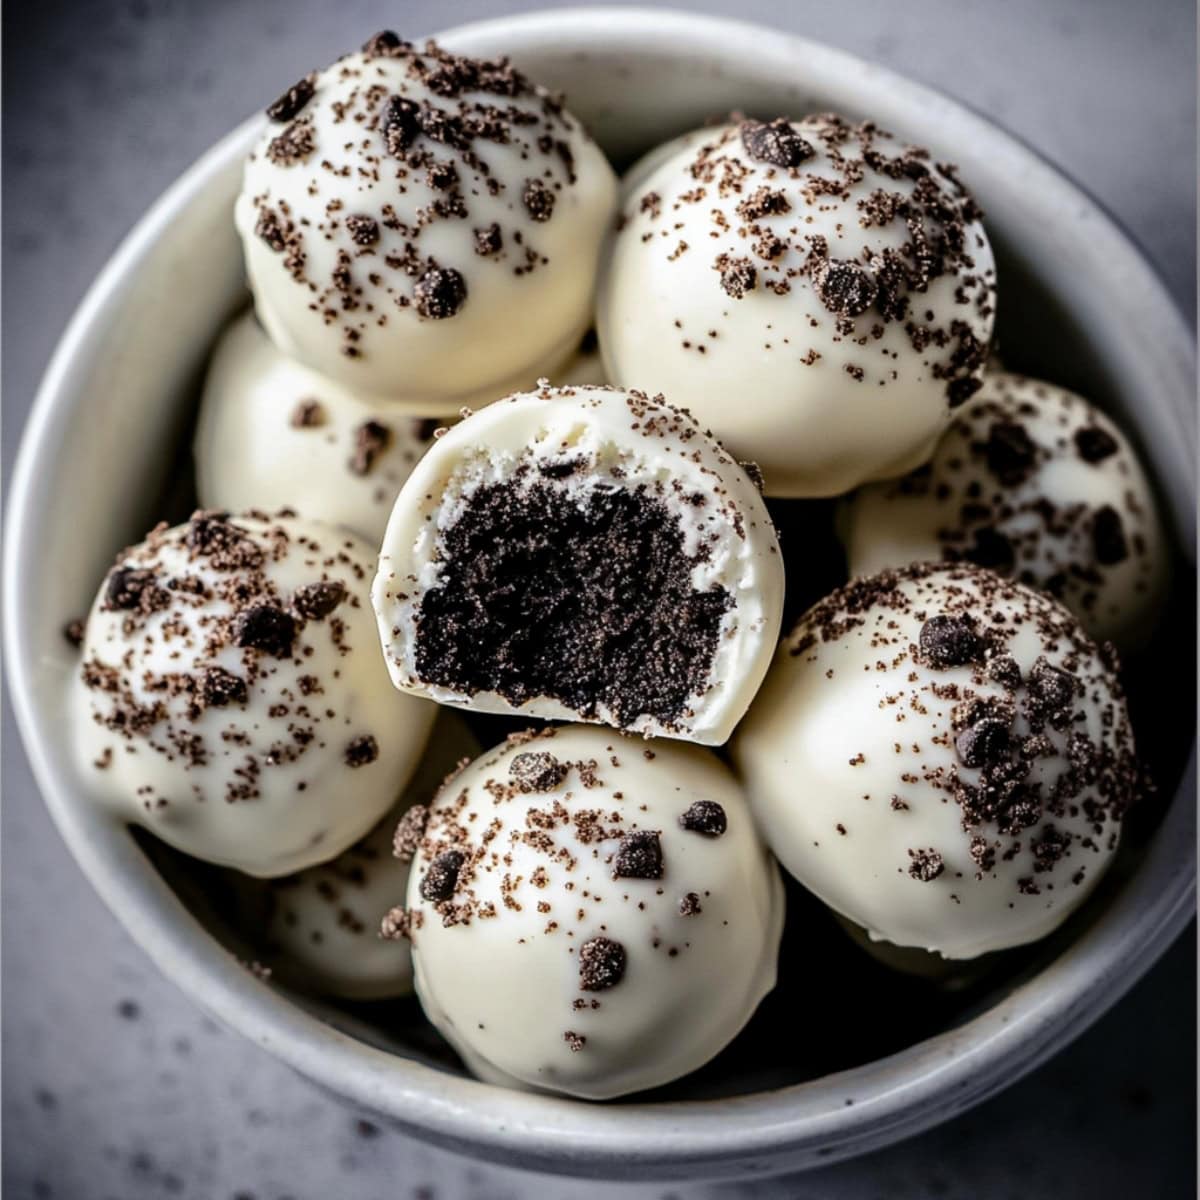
(705, 816)
(589, 602)
(601, 964)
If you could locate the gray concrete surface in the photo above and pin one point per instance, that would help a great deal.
(115, 1086)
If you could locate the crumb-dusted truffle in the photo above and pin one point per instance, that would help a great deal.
(341, 929)
(1034, 482)
(582, 553)
(416, 202)
(820, 294)
(273, 434)
(585, 942)
(943, 756)
(242, 715)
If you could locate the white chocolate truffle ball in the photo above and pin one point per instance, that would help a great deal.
(320, 928)
(273, 434)
(818, 294)
(943, 757)
(587, 554)
(232, 698)
(589, 916)
(423, 226)
(1032, 481)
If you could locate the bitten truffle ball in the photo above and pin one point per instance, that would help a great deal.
(819, 294)
(582, 553)
(1036, 483)
(589, 915)
(943, 757)
(232, 698)
(424, 226)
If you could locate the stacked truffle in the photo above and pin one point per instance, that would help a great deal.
(938, 750)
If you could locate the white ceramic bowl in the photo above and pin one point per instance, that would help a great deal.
(1079, 305)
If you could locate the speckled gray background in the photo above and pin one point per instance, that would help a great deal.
(115, 1086)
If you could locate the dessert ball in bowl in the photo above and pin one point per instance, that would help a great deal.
(1076, 305)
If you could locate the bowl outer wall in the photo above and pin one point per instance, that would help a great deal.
(695, 66)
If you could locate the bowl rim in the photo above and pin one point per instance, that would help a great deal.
(816, 1122)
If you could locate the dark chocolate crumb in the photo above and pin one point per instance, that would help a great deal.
(538, 200)
(489, 241)
(601, 964)
(133, 588)
(1108, 536)
(410, 829)
(219, 687)
(948, 641)
(267, 628)
(689, 906)
(442, 877)
(983, 744)
(401, 125)
(371, 439)
(575, 1040)
(74, 632)
(364, 230)
(1095, 444)
(380, 43)
(775, 142)
(308, 414)
(639, 856)
(315, 601)
(705, 816)
(440, 293)
(738, 276)
(361, 751)
(292, 101)
(925, 865)
(536, 771)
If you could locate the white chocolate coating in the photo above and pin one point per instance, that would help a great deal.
(951, 808)
(228, 709)
(791, 308)
(320, 927)
(500, 965)
(1031, 480)
(587, 446)
(273, 434)
(362, 217)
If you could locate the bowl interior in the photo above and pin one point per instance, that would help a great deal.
(108, 454)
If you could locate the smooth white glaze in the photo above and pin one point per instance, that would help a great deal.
(352, 309)
(622, 441)
(1018, 483)
(853, 757)
(266, 769)
(822, 392)
(499, 964)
